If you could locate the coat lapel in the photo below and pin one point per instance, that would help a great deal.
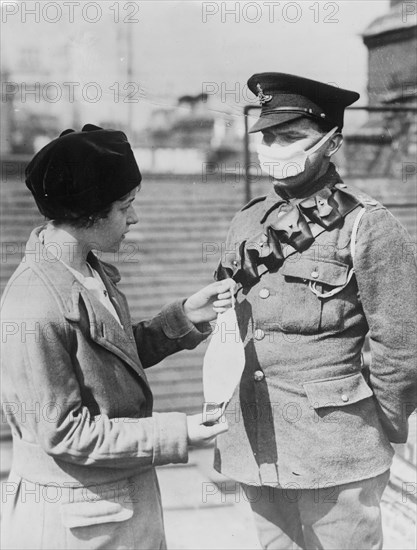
(107, 332)
(104, 328)
(110, 276)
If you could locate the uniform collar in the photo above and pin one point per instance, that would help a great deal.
(290, 226)
(273, 199)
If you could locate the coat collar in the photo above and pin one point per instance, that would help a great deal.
(71, 294)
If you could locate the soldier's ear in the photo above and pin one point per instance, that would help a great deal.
(334, 145)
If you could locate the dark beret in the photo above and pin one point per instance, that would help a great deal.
(286, 97)
(80, 173)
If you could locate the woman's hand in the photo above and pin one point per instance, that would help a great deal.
(204, 305)
(200, 435)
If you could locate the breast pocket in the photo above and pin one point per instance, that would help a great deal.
(314, 294)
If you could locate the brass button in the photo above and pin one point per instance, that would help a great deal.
(259, 334)
(235, 263)
(258, 375)
(264, 293)
(315, 274)
(345, 398)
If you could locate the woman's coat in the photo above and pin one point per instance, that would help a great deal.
(76, 396)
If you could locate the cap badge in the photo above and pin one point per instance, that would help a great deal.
(261, 96)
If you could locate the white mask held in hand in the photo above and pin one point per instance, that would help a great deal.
(285, 162)
(224, 360)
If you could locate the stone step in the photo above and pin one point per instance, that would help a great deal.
(155, 234)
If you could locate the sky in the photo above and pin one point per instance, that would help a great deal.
(197, 42)
(186, 47)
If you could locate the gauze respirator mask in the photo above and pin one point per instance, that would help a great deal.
(224, 361)
(284, 162)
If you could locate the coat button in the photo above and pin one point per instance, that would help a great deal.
(344, 398)
(258, 375)
(235, 263)
(264, 293)
(315, 274)
(259, 334)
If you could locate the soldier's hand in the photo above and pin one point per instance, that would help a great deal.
(204, 305)
(200, 435)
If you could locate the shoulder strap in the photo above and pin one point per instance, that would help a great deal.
(354, 232)
(252, 202)
(312, 285)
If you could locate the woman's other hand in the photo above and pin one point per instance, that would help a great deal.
(204, 305)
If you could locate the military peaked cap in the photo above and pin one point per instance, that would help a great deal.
(286, 97)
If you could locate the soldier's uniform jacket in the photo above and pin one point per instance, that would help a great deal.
(306, 413)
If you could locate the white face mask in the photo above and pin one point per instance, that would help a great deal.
(224, 360)
(284, 162)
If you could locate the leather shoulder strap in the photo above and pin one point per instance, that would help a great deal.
(253, 201)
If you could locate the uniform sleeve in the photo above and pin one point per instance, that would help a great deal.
(168, 332)
(386, 273)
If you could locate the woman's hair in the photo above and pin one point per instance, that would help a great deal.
(84, 221)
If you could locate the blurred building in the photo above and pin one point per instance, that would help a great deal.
(388, 140)
(196, 131)
(6, 115)
(53, 76)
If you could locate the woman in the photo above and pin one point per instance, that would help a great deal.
(74, 387)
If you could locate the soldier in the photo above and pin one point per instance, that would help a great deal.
(320, 265)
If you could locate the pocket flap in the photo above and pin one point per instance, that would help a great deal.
(329, 272)
(86, 509)
(337, 392)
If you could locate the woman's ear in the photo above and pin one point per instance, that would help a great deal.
(334, 145)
